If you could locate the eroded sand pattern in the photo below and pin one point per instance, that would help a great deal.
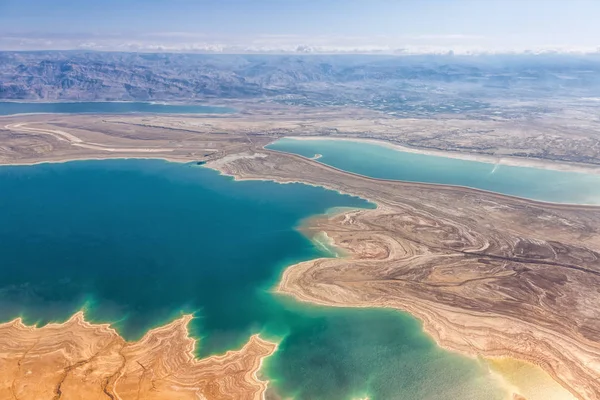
(488, 275)
(79, 360)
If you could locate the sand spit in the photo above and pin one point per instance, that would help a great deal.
(76, 141)
(488, 275)
(78, 359)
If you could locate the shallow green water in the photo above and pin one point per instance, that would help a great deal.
(383, 162)
(137, 242)
(106, 107)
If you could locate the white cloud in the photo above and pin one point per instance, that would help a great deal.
(292, 44)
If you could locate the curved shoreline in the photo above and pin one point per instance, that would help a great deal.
(132, 153)
(430, 328)
(255, 159)
(299, 180)
(442, 186)
(351, 281)
(482, 158)
(86, 359)
(224, 109)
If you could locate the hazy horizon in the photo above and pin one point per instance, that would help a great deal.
(311, 26)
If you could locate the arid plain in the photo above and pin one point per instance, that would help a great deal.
(488, 275)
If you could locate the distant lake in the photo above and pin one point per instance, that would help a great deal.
(107, 107)
(379, 161)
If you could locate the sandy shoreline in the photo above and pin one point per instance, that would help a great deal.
(219, 164)
(215, 164)
(545, 387)
(442, 186)
(494, 202)
(100, 363)
(108, 157)
(488, 159)
(234, 158)
(361, 279)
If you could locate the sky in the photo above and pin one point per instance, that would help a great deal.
(302, 26)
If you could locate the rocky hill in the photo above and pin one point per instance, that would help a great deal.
(401, 84)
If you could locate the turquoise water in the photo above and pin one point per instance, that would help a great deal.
(383, 162)
(106, 107)
(138, 242)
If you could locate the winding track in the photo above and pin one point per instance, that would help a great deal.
(75, 141)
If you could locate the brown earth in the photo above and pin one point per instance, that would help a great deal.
(489, 275)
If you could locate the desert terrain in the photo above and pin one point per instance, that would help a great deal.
(561, 139)
(488, 275)
(79, 360)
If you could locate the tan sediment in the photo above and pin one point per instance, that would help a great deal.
(76, 141)
(488, 275)
(27, 140)
(496, 307)
(526, 381)
(81, 360)
(31, 138)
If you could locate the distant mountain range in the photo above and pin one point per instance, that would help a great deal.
(387, 82)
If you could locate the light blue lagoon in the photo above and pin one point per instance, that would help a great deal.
(379, 161)
(107, 107)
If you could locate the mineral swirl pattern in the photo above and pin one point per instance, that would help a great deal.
(488, 275)
(79, 360)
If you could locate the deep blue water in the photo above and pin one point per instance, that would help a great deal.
(138, 242)
(378, 161)
(106, 107)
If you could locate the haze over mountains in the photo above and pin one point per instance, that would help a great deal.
(391, 83)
